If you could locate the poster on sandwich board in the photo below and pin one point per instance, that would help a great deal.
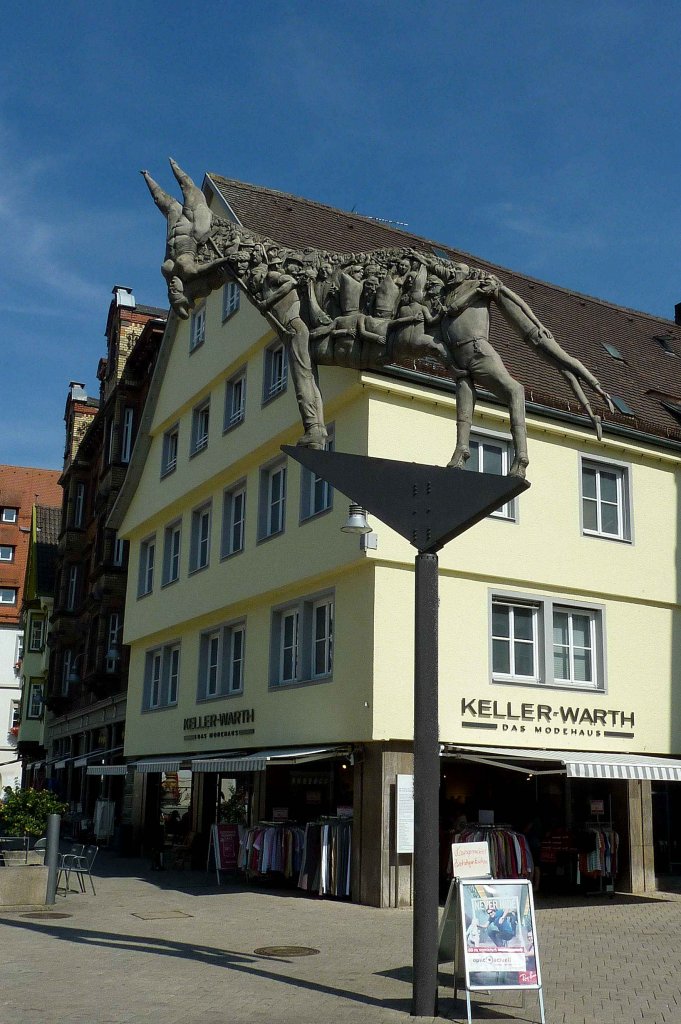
(499, 938)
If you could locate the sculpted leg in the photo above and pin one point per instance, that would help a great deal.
(465, 404)
(306, 388)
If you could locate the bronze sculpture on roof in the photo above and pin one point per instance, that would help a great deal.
(363, 310)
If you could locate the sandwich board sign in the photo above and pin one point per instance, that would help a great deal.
(497, 937)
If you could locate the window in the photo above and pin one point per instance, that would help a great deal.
(126, 447)
(197, 331)
(276, 371)
(119, 552)
(316, 495)
(606, 506)
(35, 700)
(7, 552)
(200, 422)
(544, 642)
(145, 583)
(171, 553)
(161, 677)
(110, 441)
(235, 400)
(302, 641)
(492, 455)
(169, 455)
(230, 299)
(272, 511)
(79, 505)
(8, 595)
(113, 642)
(199, 548)
(233, 520)
(72, 589)
(14, 716)
(221, 661)
(35, 638)
(9, 514)
(66, 668)
(19, 648)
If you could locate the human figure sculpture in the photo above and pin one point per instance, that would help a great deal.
(364, 310)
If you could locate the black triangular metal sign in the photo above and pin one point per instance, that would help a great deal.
(427, 505)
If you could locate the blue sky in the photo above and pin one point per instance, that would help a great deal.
(543, 136)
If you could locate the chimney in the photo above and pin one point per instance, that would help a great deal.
(77, 390)
(677, 313)
(123, 296)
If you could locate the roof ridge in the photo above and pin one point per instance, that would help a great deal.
(446, 246)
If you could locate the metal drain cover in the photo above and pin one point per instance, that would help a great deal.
(161, 915)
(46, 915)
(285, 951)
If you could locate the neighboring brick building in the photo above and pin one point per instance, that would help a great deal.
(87, 678)
(20, 489)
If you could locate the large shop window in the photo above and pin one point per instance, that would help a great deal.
(221, 661)
(546, 642)
(302, 641)
(161, 677)
(606, 502)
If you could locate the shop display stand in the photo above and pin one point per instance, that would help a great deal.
(606, 880)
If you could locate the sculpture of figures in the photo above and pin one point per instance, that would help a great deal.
(363, 310)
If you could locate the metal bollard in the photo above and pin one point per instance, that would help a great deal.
(52, 857)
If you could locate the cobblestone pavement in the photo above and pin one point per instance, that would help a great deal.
(174, 949)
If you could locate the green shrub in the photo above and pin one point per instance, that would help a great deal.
(25, 811)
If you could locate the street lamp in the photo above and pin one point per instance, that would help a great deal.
(356, 521)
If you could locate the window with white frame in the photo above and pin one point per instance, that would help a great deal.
(119, 551)
(72, 588)
(172, 539)
(200, 425)
(235, 400)
(145, 582)
(113, 638)
(302, 641)
(169, 453)
(272, 500)
(7, 552)
(126, 445)
(14, 716)
(199, 545)
(230, 299)
(67, 662)
(221, 661)
(161, 677)
(79, 505)
(275, 375)
(8, 595)
(606, 508)
(36, 633)
(233, 519)
(9, 514)
(316, 495)
(36, 694)
(491, 454)
(547, 642)
(19, 648)
(197, 330)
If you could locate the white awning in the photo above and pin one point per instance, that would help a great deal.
(259, 761)
(107, 769)
(61, 764)
(158, 764)
(575, 764)
(80, 762)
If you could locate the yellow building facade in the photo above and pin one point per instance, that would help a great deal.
(255, 625)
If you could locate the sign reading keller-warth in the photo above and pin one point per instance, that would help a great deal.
(546, 719)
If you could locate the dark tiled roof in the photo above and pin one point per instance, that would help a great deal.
(647, 377)
(48, 523)
(161, 314)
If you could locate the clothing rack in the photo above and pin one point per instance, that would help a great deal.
(598, 846)
(326, 857)
(271, 847)
(509, 851)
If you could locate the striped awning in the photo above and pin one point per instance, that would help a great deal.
(158, 764)
(107, 769)
(259, 761)
(80, 762)
(575, 764)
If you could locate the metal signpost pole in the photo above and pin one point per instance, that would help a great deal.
(426, 787)
(52, 856)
